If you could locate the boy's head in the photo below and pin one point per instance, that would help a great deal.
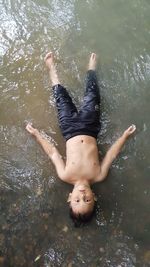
(82, 202)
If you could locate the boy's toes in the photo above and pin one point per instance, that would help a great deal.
(48, 55)
(93, 56)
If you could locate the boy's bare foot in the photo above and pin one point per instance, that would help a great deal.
(49, 61)
(92, 62)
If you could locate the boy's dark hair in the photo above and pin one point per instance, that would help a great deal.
(81, 219)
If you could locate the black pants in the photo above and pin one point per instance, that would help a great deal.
(86, 121)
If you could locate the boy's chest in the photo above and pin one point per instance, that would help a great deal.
(82, 169)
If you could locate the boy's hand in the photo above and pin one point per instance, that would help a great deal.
(31, 130)
(130, 131)
(113, 152)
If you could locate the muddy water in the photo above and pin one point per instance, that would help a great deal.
(35, 229)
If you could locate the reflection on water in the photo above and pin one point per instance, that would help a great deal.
(35, 227)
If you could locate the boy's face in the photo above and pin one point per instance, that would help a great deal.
(82, 199)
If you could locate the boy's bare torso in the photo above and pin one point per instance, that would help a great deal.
(82, 158)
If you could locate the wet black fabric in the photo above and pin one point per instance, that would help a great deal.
(86, 121)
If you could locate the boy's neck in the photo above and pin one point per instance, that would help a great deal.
(83, 183)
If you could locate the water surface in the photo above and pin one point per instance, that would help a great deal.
(35, 229)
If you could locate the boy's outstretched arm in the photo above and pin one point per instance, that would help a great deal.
(113, 153)
(50, 150)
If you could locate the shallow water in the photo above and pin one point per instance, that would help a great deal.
(35, 229)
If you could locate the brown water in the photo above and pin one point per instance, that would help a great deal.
(35, 229)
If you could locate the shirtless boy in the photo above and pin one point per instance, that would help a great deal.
(80, 129)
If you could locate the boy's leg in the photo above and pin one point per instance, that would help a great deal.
(67, 111)
(65, 107)
(49, 61)
(90, 109)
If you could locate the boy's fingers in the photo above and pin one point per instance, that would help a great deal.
(29, 127)
(132, 128)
